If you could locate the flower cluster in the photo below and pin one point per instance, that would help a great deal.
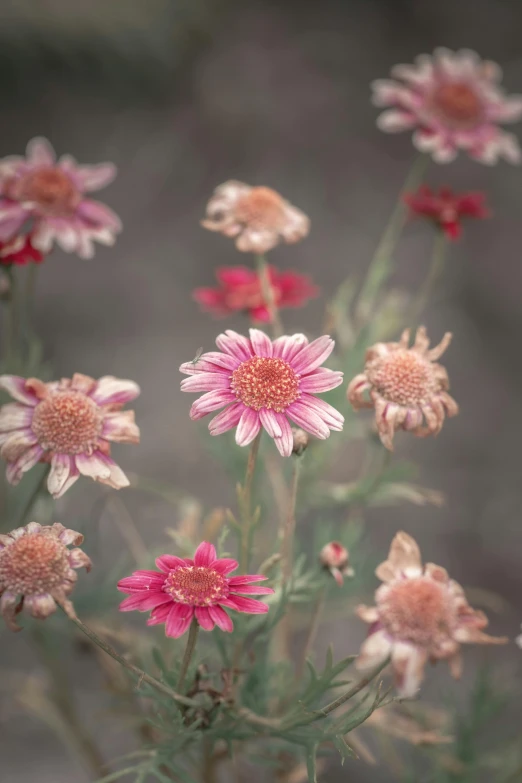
(446, 209)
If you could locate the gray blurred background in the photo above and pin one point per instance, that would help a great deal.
(183, 95)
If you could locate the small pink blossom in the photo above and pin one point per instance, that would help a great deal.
(69, 423)
(265, 383)
(452, 101)
(184, 589)
(51, 194)
(446, 209)
(335, 557)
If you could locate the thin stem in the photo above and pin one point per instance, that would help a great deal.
(129, 532)
(267, 292)
(10, 318)
(312, 632)
(209, 764)
(245, 497)
(31, 499)
(438, 260)
(287, 545)
(189, 652)
(142, 675)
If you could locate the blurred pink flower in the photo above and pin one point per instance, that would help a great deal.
(452, 101)
(19, 251)
(37, 570)
(240, 290)
(446, 209)
(406, 386)
(265, 383)
(258, 216)
(52, 195)
(420, 615)
(335, 557)
(68, 423)
(184, 589)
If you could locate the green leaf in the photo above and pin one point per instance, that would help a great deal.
(344, 749)
(311, 762)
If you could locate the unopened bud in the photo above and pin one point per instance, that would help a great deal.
(300, 441)
(335, 557)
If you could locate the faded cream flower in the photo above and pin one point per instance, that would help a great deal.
(37, 570)
(258, 216)
(420, 615)
(406, 386)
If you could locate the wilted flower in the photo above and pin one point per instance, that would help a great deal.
(420, 615)
(259, 217)
(184, 589)
(446, 209)
(68, 423)
(37, 570)
(19, 251)
(335, 557)
(240, 291)
(52, 195)
(406, 387)
(265, 383)
(301, 440)
(454, 101)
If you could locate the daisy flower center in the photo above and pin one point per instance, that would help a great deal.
(402, 377)
(50, 188)
(261, 382)
(33, 564)
(260, 208)
(196, 586)
(67, 422)
(458, 103)
(416, 610)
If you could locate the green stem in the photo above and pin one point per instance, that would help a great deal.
(438, 260)
(31, 499)
(142, 676)
(381, 264)
(10, 325)
(312, 633)
(30, 287)
(267, 291)
(245, 498)
(287, 546)
(189, 652)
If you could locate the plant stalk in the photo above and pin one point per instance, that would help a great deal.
(267, 292)
(189, 652)
(438, 260)
(245, 498)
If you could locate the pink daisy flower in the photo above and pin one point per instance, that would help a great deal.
(453, 101)
(52, 194)
(184, 589)
(446, 208)
(68, 423)
(239, 290)
(265, 383)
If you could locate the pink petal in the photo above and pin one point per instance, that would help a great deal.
(285, 443)
(331, 417)
(205, 554)
(395, 121)
(40, 152)
(16, 443)
(117, 478)
(289, 346)
(25, 462)
(143, 601)
(159, 614)
(245, 579)
(224, 565)
(94, 177)
(178, 620)
(213, 361)
(168, 563)
(209, 402)
(235, 345)
(15, 386)
(141, 580)
(227, 419)
(11, 222)
(313, 355)
(248, 427)
(110, 390)
(205, 381)
(120, 427)
(269, 421)
(93, 466)
(62, 468)
(203, 617)
(261, 344)
(99, 215)
(241, 604)
(308, 420)
(221, 618)
(253, 590)
(321, 380)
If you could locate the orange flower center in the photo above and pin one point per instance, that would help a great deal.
(33, 564)
(196, 585)
(50, 189)
(67, 422)
(403, 377)
(416, 610)
(458, 103)
(261, 208)
(265, 383)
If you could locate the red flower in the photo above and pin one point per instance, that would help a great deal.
(240, 290)
(19, 251)
(446, 208)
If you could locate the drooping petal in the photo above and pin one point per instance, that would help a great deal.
(178, 620)
(14, 416)
(15, 386)
(308, 420)
(25, 462)
(285, 443)
(408, 663)
(227, 419)
(121, 427)
(221, 618)
(248, 427)
(204, 618)
(270, 422)
(374, 650)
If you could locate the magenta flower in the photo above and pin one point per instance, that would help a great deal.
(265, 383)
(452, 101)
(52, 195)
(68, 423)
(184, 589)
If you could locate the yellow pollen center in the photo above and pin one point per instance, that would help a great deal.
(417, 610)
(458, 103)
(265, 383)
(67, 422)
(196, 585)
(33, 564)
(403, 377)
(50, 188)
(261, 208)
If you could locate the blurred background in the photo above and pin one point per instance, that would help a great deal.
(184, 94)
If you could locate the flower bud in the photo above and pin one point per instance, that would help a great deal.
(300, 441)
(335, 557)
